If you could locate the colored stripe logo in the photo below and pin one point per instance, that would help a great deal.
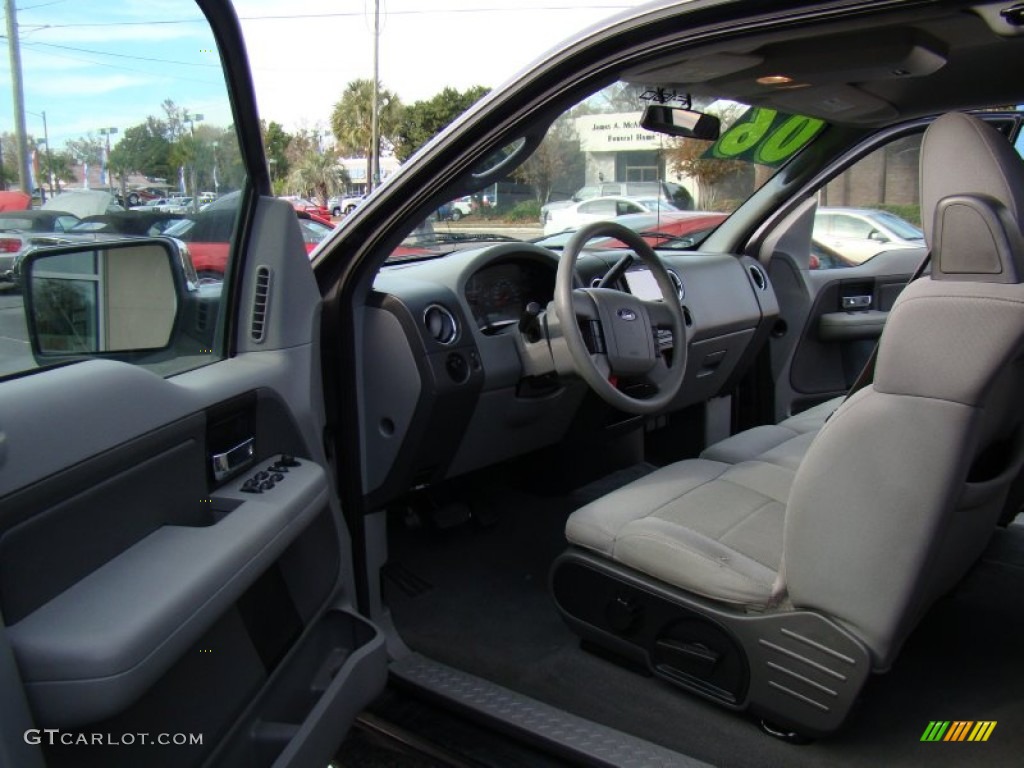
(958, 730)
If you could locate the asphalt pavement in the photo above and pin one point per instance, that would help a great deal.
(15, 353)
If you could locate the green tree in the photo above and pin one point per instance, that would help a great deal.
(719, 181)
(557, 163)
(352, 124)
(8, 160)
(58, 165)
(423, 120)
(144, 149)
(318, 175)
(275, 143)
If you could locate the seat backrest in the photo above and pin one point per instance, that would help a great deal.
(902, 488)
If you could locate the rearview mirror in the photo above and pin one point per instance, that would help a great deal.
(676, 121)
(117, 299)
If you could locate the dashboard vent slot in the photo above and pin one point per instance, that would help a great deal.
(260, 304)
(759, 277)
(677, 281)
(440, 324)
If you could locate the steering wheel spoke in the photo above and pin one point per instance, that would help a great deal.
(583, 304)
(602, 365)
(659, 312)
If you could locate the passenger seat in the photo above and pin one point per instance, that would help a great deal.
(783, 444)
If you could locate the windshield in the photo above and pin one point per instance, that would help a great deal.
(596, 163)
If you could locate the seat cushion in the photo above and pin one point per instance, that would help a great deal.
(712, 528)
(786, 442)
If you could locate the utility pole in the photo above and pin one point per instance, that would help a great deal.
(105, 165)
(14, 49)
(374, 179)
(49, 154)
(192, 119)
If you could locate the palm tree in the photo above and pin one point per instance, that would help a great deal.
(352, 119)
(318, 175)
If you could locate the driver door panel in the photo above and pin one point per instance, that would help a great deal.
(144, 597)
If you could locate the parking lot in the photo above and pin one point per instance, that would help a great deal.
(15, 354)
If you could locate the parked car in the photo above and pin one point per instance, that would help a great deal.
(670, 192)
(20, 230)
(601, 209)
(464, 507)
(143, 195)
(858, 234)
(344, 205)
(208, 235)
(155, 204)
(137, 223)
(464, 206)
(304, 204)
(82, 203)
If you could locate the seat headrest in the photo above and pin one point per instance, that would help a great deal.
(972, 201)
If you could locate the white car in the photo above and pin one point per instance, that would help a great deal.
(861, 233)
(464, 206)
(344, 204)
(600, 209)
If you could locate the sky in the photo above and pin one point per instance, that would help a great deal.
(105, 64)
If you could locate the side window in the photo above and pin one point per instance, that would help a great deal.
(599, 208)
(138, 118)
(880, 190)
(624, 207)
(851, 227)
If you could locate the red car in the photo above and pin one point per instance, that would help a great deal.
(308, 206)
(208, 236)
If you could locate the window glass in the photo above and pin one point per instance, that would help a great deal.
(850, 226)
(599, 208)
(873, 206)
(598, 147)
(118, 116)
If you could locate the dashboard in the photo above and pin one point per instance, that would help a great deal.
(449, 387)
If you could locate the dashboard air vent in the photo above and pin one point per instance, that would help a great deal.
(440, 324)
(260, 304)
(677, 281)
(759, 277)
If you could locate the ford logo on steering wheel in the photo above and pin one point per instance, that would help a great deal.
(627, 314)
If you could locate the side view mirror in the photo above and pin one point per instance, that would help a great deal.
(877, 236)
(120, 299)
(677, 121)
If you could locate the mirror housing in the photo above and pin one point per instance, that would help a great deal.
(121, 299)
(677, 121)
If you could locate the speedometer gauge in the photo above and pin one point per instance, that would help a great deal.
(504, 293)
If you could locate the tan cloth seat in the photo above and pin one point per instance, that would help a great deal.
(884, 507)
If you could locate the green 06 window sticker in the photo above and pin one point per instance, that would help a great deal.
(765, 136)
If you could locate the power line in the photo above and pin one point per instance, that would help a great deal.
(94, 52)
(40, 5)
(350, 14)
(107, 65)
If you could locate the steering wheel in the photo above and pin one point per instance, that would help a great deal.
(622, 327)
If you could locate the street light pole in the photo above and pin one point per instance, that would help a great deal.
(105, 167)
(192, 119)
(374, 179)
